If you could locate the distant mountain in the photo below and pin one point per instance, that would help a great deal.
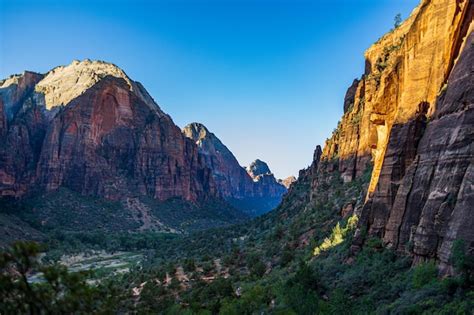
(257, 169)
(254, 192)
(87, 129)
(287, 181)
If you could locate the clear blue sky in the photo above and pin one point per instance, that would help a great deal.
(267, 77)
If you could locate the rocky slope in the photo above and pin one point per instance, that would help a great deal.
(253, 192)
(410, 118)
(89, 128)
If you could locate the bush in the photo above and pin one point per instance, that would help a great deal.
(424, 274)
(301, 290)
(258, 269)
(286, 256)
(463, 263)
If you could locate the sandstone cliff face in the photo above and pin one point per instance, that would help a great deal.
(64, 83)
(433, 204)
(266, 184)
(409, 117)
(20, 141)
(89, 128)
(231, 179)
(405, 67)
(254, 192)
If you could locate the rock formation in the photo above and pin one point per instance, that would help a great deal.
(257, 169)
(265, 181)
(410, 118)
(89, 128)
(287, 181)
(23, 128)
(254, 190)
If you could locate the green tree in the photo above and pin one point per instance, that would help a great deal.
(57, 292)
(423, 274)
(397, 20)
(258, 269)
(463, 263)
(301, 290)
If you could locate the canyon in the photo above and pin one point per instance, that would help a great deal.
(254, 190)
(380, 222)
(87, 127)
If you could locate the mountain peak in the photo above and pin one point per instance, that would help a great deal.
(196, 131)
(64, 83)
(252, 194)
(257, 168)
(287, 181)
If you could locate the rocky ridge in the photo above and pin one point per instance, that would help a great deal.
(254, 190)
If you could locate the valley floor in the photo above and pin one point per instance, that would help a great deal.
(294, 260)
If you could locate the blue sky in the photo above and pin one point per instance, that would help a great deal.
(267, 77)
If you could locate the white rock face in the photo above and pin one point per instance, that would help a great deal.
(14, 79)
(65, 83)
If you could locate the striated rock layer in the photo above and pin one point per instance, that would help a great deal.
(409, 118)
(434, 203)
(254, 191)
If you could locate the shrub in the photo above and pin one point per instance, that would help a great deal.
(374, 243)
(337, 236)
(189, 265)
(286, 256)
(258, 269)
(424, 274)
(301, 290)
(463, 263)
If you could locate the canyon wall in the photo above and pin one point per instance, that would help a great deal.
(254, 191)
(409, 118)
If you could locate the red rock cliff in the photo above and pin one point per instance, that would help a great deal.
(89, 128)
(252, 194)
(410, 117)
